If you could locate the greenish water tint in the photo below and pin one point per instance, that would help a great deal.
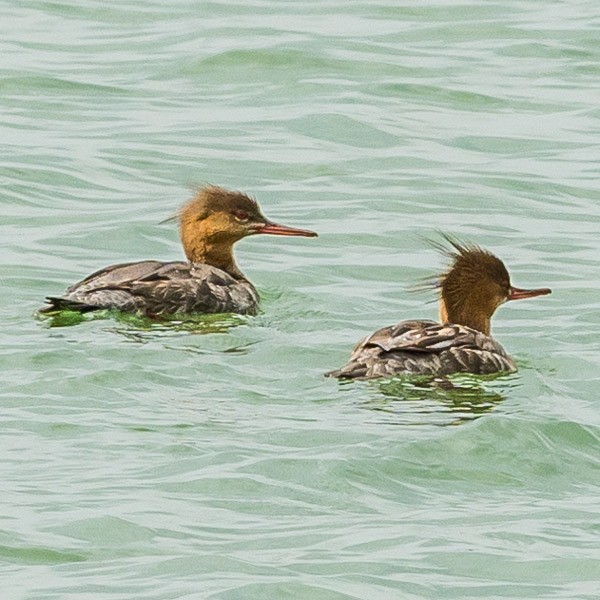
(212, 459)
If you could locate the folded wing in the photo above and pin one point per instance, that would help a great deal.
(425, 348)
(158, 288)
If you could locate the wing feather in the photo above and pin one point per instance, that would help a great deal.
(425, 348)
(157, 288)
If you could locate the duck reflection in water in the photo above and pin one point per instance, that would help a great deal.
(438, 401)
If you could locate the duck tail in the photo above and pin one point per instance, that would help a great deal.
(352, 370)
(57, 304)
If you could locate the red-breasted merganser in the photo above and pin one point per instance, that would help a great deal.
(470, 290)
(210, 282)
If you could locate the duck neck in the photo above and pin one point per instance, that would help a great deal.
(465, 315)
(217, 255)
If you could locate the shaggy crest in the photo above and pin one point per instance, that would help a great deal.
(473, 285)
(212, 198)
(470, 264)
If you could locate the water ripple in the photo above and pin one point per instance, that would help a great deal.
(211, 458)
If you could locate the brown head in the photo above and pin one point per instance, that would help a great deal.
(216, 218)
(475, 285)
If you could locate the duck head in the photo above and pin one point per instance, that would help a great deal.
(216, 218)
(475, 285)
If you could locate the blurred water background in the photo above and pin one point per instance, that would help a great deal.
(215, 461)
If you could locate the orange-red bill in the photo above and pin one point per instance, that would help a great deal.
(519, 294)
(275, 229)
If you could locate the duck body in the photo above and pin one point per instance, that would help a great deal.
(157, 288)
(425, 348)
(208, 282)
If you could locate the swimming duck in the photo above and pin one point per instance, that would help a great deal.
(470, 290)
(209, 282)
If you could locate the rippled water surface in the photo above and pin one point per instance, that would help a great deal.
(214, 460)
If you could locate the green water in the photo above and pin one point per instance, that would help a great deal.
(215, 462)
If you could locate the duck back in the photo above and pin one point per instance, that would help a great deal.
(425, 348)
(159, 288)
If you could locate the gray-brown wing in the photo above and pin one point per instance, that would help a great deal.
(197, 288)
(106, 288)
(156, 288)
(425, 348)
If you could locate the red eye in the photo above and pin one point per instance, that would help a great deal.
(241, 215)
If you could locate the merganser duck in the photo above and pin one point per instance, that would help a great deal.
(210, 282)
(470, 290)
